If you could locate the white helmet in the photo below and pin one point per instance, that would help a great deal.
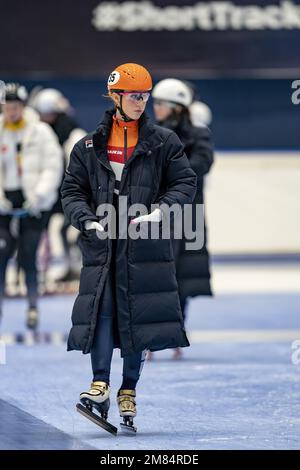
(173, 90)
(50, 100)
(200, 113)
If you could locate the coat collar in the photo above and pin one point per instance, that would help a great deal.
(147, 132)
(148, 138)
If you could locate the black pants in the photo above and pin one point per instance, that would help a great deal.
(26, 241)
(103, 344)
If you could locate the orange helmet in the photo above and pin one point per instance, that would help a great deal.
(129, 77)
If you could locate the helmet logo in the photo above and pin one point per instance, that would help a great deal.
(113, 78)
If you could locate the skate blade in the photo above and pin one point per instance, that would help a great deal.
(84, 411)
(128, 429)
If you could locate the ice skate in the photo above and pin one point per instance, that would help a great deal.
(127, 409)
(32, 318)
(97, 397)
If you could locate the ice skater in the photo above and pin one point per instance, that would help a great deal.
(172, 100)
(128, 295)
(31, 168)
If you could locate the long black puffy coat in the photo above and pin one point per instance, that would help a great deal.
(148, 306)
(192, 266)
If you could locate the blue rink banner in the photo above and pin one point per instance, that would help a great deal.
(186, 38)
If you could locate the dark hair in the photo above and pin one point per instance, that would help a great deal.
(184, 115)
(178, 119)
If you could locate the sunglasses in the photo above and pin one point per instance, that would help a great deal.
(135, 97)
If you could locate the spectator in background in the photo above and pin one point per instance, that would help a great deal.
(55, 109)
(172, 99)
(31, 168)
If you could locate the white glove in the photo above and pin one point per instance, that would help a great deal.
(32, 206)
(5, 205)
(92, 224)
(155, 216)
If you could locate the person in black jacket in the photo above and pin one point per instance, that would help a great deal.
(128, 296)
(172, 99)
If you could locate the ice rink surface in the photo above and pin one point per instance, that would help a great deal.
(235, 388)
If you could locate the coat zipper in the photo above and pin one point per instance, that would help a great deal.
(125, 144)
(125, 160)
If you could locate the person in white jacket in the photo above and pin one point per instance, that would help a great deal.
(31, 166)
(55, 109)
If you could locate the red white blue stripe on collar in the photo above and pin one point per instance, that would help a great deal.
(88, 143)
